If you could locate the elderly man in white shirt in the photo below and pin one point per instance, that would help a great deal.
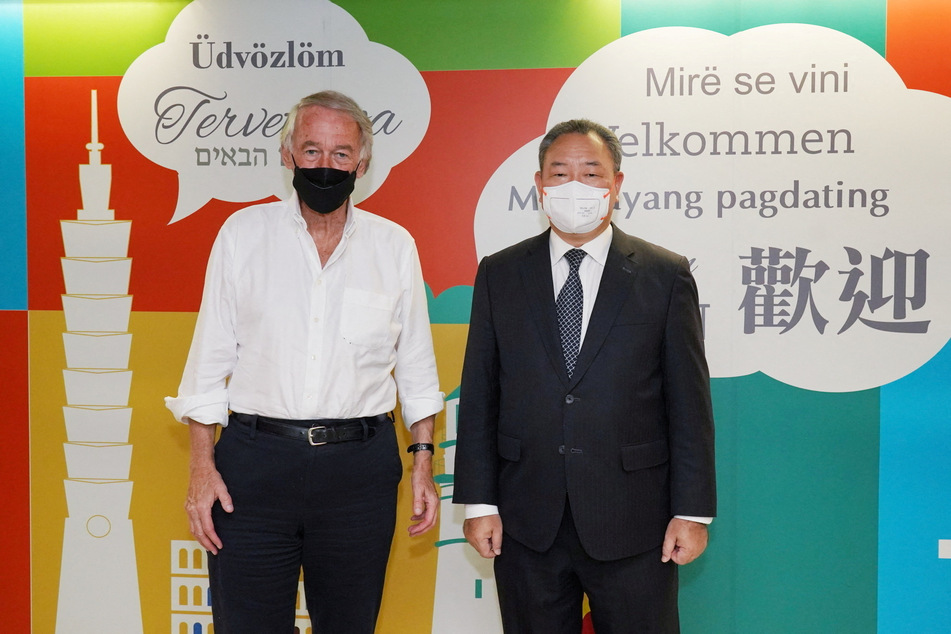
(313, 318)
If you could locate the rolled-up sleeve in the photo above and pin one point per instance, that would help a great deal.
(203, 392)
(417, 381)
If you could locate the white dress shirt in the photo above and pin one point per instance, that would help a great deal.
(281, 336)
(590, 270)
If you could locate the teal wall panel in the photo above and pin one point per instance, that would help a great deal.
(862, 19)
(794, 546)
(13, 165)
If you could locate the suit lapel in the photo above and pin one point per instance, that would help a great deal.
(620, 270)
(540, 295)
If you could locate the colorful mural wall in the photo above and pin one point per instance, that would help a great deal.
(797, 151)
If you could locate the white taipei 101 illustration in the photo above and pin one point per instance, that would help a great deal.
(98, 587)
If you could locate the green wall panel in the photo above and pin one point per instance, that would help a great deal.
(91, 39)
(490, 34)
(65, 38)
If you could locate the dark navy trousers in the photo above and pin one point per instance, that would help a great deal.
(542, 593)
(329, 510)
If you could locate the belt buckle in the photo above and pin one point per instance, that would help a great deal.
(310, 436)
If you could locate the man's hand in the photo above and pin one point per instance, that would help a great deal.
(684, 541)
(484, 534)
(204, 487)
(425, 498)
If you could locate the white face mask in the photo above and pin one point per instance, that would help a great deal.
(575, 207)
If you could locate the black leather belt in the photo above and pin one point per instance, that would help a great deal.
(318, 431)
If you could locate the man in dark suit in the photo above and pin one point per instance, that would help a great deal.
(585, 437)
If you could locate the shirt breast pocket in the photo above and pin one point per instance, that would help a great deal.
(367, 318)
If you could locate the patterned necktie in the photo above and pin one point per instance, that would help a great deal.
(569, 305)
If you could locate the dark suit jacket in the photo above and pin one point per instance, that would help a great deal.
(628, 439)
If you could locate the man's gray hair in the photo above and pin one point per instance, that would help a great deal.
(334, 101)
(581, 126)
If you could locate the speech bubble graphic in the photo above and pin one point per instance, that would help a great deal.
(210, 101)
(807, 185)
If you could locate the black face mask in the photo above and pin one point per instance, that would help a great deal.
(323, 189)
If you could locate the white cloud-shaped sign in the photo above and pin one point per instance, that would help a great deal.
(809, 186)
(210, 101)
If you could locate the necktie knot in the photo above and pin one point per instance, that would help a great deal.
(574, 257)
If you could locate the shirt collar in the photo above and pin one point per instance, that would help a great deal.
(293, 207)
(597, 248)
